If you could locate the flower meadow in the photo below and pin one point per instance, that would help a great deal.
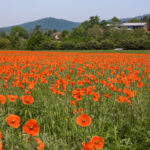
(74, 101)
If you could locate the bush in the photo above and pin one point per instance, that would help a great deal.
(4, 43)
(107, 44)
(92, 45)
(137, 44)
(68, 45)
(48, 45)
(35, 41)
(81, 46)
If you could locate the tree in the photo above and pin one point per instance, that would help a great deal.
(49, 33)
(35, 40)
(4, 43)
(37, 28)
(65, 34)
(115, 20)
(103, 23)
(67, 45)
(147, 20)
(2, 34)
(134, 20)
(92, 45)
(95, 31)
(94, 20)
(107, 44)
(19, 31)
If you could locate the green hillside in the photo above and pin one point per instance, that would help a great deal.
(47, 23)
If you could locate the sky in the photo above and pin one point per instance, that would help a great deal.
(14, 12)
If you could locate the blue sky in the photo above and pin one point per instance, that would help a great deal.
(14, 12)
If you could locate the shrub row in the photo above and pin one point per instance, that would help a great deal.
(129, 44)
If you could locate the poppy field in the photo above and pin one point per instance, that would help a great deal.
(74, 101)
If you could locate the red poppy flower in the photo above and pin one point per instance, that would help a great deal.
(27, 99)
(40, 144)
(31, 127)
(80, 110)
(83, 120)
(12, 98)
(2, 99)
(1, 135)
(1, 146)
(98, 142)
(139, 84)
(75, 111)
(96, 96)
(73, 103)
(88, 146)
(13, 121)
(107, 95)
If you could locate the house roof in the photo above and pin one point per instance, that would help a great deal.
(130, 24)
(135, 24)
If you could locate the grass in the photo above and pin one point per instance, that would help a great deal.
(94, 51)
(122, 126)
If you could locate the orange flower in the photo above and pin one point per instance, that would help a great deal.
(40, 144)
(83, 120)
(122, 99)
(1, 146)
(1, 135)
(27, 92)
(2, 99)
(74, 111)
(96, 97)
(139, 84)
(12, 98)
(80, 110)
(88, 146)
(27, 99)
(13, 121)
(107, 95)
(31, 127)
(98, 142)
(73, 103)
(72, 83)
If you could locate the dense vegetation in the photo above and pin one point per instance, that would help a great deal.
(91, 34)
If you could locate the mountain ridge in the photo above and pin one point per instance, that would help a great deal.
(46, 23)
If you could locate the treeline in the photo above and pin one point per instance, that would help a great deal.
(90, 35)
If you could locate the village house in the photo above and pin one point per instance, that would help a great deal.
(129, 26)
(56, 35)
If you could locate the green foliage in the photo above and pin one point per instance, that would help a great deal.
(95, 31)
(136, 44)
(4, 43)
(107, 44)
(65, 34)
(48, 45)
(93, 45)
(134, 20)
(68, 45)
(147, 20)
(35, 40)
(115, 19)
(81, 46)
(19, 31)
(94, 20)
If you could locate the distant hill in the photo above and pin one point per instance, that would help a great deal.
(47, 23)
(127, 19)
